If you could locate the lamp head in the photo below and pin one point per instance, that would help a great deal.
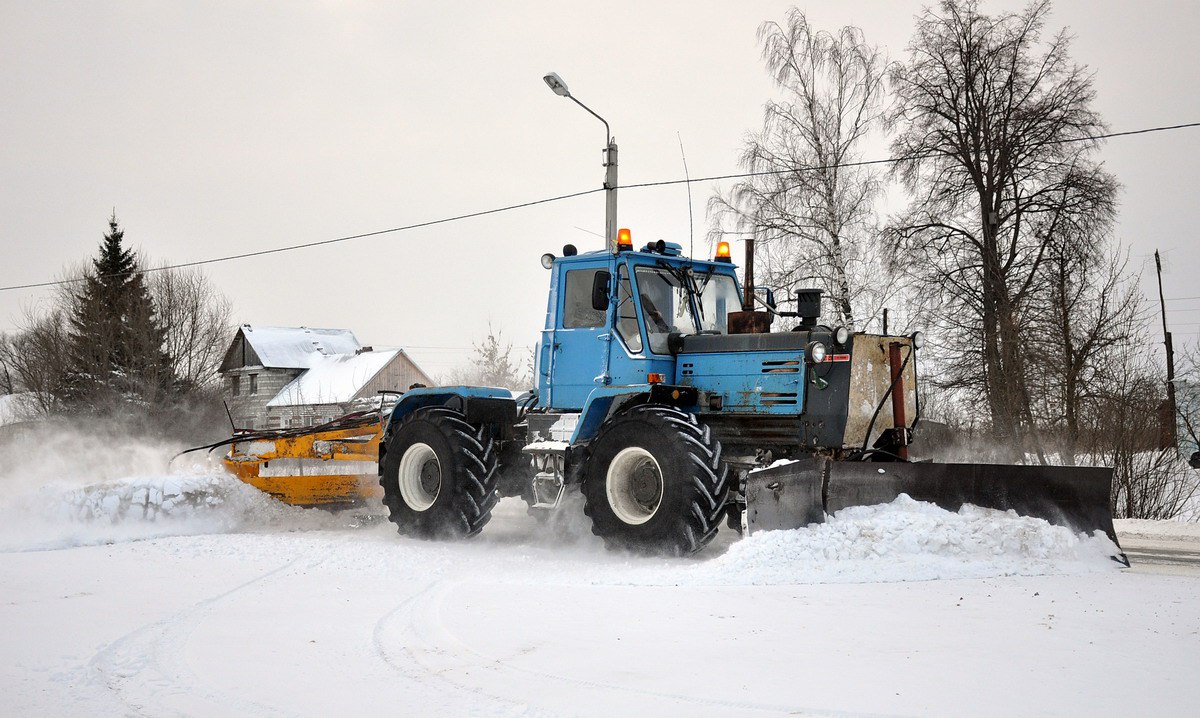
(554, 82)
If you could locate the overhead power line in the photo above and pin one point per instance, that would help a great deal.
(319, 243)
(559, 198)
(895, 160)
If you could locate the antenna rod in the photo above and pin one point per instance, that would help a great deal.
(688, 177)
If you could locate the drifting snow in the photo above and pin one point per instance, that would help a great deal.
(905, 540)
(61, 515)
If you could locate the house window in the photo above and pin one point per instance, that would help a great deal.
(235, 385)
(254, 383)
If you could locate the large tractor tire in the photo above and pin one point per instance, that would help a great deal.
(439, 475)
(654, 482)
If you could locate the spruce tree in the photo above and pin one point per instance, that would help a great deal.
(116, 340)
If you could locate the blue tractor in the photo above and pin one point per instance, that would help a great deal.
(665, 398)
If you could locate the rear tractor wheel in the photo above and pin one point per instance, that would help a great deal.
(439, 475)
(654, 482)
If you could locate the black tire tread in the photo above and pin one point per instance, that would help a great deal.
(473, 485)
(708, 481)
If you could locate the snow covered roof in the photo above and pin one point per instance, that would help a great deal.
(297, 347)
(334, 379)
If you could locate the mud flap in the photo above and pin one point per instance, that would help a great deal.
(802, 492)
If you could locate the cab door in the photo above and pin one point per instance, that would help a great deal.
(575, 343)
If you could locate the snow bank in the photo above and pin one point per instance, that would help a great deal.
(905, 540)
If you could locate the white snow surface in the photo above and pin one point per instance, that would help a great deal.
(1159, 529)
(187, 593)
(333, 379)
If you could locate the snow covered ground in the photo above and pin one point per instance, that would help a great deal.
(190, 594)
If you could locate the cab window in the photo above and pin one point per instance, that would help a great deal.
(577, 300)
(666, 306)
(627, 324)
(718, 297)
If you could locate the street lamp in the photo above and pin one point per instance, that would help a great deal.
(556, 83)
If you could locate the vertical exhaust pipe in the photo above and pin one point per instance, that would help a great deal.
(899, 421)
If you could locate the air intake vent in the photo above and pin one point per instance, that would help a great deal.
(781, 367)
(778, 398)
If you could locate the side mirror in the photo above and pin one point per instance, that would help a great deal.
(600, 291)
(675, 342)
(771, 300)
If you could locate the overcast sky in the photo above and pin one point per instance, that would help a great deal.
(215, 128)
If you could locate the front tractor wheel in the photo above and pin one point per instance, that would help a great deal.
(654, 482)
(439, 475)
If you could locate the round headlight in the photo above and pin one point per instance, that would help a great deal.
(918, 340)
(547, 260)
(841, 335)
(817, 351)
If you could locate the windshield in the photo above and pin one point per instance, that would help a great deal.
(718, 297)
(665, 306)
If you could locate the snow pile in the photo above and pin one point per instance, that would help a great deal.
(60, 514)
(907, 540)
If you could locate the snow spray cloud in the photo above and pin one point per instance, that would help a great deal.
(67, 486)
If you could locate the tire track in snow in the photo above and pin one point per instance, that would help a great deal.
(417, 628)
(403, 655)
(147, 671)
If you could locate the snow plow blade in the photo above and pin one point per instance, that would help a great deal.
(803, 492)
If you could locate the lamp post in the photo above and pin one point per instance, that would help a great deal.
(559, 87)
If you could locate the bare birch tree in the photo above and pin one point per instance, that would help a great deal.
(812, 213)
(1187, 396)
(491, 364)
(993, 124)
(1150, 481)
(195, 319)
(34, 359)
(1091, 312)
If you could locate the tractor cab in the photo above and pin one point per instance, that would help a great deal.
(612, 319)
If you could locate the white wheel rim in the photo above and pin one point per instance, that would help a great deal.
(634, 485)
(419, 469)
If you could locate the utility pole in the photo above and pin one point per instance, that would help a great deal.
(610, 190)
(1170, 352)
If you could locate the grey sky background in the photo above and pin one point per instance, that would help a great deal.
(216, 128)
